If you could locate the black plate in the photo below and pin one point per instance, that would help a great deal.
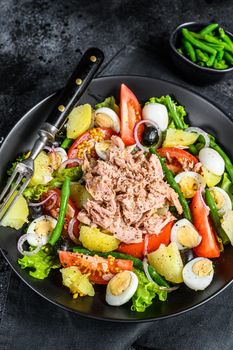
(201, 113)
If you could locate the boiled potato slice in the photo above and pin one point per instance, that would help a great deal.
(77, 283)
(79, 121)
(167, 262)
(210, 178)
(179, 138)
(79, 194)
(227, 224)
(18, 214)
(42, 170)
(93, 239)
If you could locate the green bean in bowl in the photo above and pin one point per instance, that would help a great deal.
(209, 47)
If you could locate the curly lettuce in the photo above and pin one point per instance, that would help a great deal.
(179, 109)
(145, 293)
(33, 193)
(108, 102)
(39, 264)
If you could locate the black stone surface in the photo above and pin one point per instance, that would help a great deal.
(40, 43)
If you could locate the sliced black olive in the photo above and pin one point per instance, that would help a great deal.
(36, 212)
(150, 136)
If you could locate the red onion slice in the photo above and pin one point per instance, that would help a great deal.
(135, 134)
(49, 149)
(146, 239)
(37, 204)
(199, 131)
(71, 230)
(20, 244)
(67, 162)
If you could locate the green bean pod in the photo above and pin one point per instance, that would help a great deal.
(225, 37)
(227, 161)
(215, 217)
(228, 57)
(172, 109)
(189, 50)
(209, 29)
(197, 43)
(66, 143)
(203, 57)
(65, 193)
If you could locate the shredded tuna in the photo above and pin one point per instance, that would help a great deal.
(128, 193)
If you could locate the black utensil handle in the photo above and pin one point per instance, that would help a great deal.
(76, 86)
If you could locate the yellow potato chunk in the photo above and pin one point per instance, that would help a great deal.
(93, 239)
(78, 284)
(42, 170)
(79, 194)
(167, 262)
(210, 178)
(176, 137)
(79, 121)
(18, 214)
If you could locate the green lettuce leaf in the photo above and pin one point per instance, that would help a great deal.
(145, 293)
(33, 193)
(108, 102)
(39, 264)
(180, 110)
(227, 186)
(13, 164)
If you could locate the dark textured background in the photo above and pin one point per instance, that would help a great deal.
(40, 44)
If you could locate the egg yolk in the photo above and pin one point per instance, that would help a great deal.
(187, 236)
(120, 282)
(218, 199)
(188, 186)
(44, 227)
(203, 268)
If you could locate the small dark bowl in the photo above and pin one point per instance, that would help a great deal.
(189, 70)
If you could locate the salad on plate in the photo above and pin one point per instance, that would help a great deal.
(130, 197)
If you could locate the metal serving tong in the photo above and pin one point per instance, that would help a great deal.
(75, 87)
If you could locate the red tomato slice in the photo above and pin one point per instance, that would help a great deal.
(154, 241)
(86, 141)
(130, 112)
(177, 158)
(95, 266)
(52, 209)
(208, 248)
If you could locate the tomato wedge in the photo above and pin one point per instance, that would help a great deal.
(208, 248)
(177, 158)
(130, 112)
(86, 142)
(51, 207)
(97, 267)
(154, 241)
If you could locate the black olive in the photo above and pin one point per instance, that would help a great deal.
(150, 136)
(36, 212)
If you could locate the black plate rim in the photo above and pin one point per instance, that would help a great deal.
(109, 319)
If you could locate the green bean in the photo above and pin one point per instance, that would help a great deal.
(225, 37)
(220, 54)
(193, 150)
(136, 262)
(197, 43)
(189, 50)
(211, 60)
(172, 109)
(217, 47)
(215, 217)
(220, 64)
(65, 193)
(203, 57)
(209, 29)
(211, 39)
(228, 163)
(229, 58)
(170, 179)
(66, 143)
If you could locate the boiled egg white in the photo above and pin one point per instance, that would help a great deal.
(189, 183)
(222, 200)
(185, 235)
(40, 229)
(121, 288)
(156, 112)
(212, 160)
(107, 118)
(101, 148)
(57, 157)
(198, 273)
